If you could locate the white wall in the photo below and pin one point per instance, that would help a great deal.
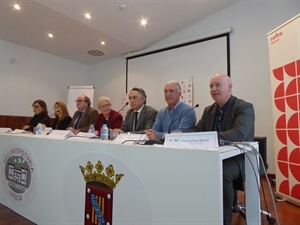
(250, 20)
(109, 78)
(35, 75)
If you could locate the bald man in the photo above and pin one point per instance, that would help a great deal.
(233, 119)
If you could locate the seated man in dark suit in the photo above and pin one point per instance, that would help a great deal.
(84, 116)
(140, 117)
(233, 119)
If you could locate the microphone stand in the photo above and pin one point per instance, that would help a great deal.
(169, 129)
(123, 106)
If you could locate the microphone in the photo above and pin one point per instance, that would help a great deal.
(154, 141)
(169, 129)
(124, 106)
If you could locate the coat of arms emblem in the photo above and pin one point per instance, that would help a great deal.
(99, 193)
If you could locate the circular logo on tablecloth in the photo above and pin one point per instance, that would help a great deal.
(20, 178)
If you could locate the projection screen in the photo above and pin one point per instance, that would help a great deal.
(199, 59)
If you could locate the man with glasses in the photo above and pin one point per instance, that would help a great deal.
(140, 117)
(84, 116)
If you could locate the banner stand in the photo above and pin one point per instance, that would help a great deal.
(284, 53)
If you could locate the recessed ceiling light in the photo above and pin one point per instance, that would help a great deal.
(50, 35)
(88, 16)
(122, 6)
(17, 7)
(143, 22)
(102, 42)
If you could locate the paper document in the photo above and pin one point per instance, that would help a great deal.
(19, 131)
(133, 138)
(5, 130)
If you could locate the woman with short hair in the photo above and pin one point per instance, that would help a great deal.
(107, 115)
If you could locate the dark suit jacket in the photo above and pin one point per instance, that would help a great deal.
(88, 118)
(40, 118)
(238, 125)
(115, 120)
(145, 121)
(61, 124)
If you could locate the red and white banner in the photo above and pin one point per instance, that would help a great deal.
(284, 53)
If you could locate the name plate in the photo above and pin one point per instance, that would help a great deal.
(192, 140)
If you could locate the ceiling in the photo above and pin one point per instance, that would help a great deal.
(113, 21)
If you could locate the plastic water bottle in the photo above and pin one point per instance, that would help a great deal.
(39, 129)
(92, 129)
(104, 132)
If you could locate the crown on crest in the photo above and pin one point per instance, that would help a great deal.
(109, 178)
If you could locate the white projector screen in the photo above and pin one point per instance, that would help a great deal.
(199, 60)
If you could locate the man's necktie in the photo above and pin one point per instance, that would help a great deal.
(219, 121)
(135, 120)
(77, 121)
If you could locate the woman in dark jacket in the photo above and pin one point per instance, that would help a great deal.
(62, 117)
(40, 115)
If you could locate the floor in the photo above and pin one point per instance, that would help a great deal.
(9, 217)
(287, 213)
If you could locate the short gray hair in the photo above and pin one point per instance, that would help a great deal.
(141, 91)
(176, 83)
(103, 98)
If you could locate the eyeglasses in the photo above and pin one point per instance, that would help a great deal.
(79, 100)
(104, 106)
(36, 106)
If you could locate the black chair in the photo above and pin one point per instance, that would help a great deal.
(238, 207)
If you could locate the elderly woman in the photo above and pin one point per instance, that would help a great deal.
(107, 115)
(40, 115)
(62, 117)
